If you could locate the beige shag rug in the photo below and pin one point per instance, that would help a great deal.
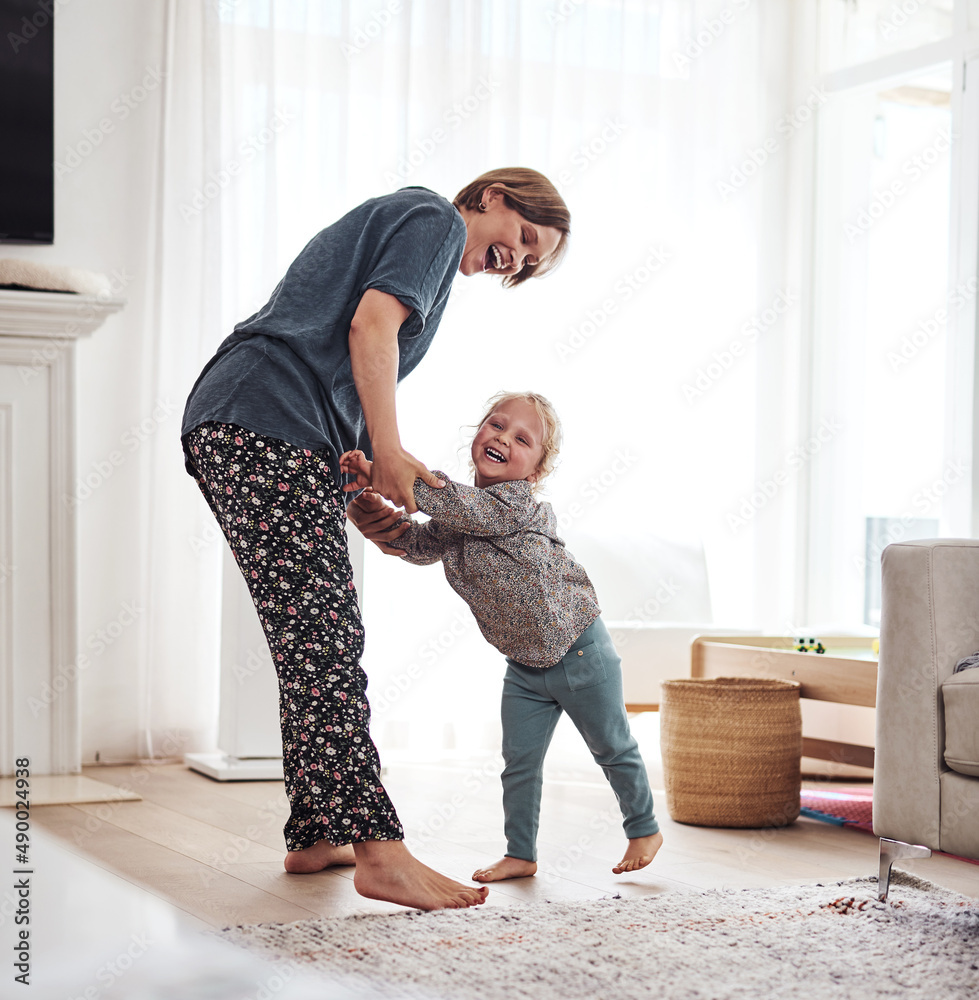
(808, 942)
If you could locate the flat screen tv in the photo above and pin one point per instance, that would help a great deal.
(27, 121)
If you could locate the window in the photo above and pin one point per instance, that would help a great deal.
(894, 299)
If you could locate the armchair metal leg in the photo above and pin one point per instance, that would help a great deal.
(891, 851)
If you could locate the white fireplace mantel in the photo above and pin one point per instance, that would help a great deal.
(53, 315)
(39, 662)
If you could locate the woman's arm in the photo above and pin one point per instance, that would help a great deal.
(374, 361)
(378, 521)
(420, 544)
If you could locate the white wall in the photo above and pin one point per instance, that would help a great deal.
(108, 56)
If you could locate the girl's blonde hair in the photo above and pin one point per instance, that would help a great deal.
(532, 195)
(551, 442)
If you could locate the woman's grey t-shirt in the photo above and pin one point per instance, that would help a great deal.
(285, 371)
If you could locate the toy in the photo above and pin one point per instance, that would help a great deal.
(802, 646)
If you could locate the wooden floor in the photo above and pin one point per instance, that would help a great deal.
(214, 850)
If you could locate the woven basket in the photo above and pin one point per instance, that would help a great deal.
(731, 751)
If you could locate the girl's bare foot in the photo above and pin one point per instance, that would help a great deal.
(321, 855)
(506, 867)
(638, 854)
(386, 870)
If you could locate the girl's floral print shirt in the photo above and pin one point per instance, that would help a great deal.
(501, 553)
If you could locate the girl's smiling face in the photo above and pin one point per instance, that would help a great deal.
(501, 241)
(509, 444)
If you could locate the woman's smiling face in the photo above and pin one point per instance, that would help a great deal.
(501, 241)
(509, 444)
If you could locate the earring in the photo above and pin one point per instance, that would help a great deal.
(482, 207)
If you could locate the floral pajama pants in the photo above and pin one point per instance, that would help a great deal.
(283, 516)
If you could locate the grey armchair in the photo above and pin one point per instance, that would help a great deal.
(926, 771)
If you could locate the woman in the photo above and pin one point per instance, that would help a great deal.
(313, 374)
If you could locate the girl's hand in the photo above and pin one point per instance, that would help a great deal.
(354, 463)
(393, 475)
(378, 521)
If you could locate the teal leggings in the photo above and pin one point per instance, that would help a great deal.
(587, 684)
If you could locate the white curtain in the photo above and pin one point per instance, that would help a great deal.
(661, 121)
(181, 552)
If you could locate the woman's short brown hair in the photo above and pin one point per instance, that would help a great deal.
(532, 195)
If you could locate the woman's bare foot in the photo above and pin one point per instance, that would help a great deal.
(386, 870)
(321, 855)
(506, 867)
(639, 852)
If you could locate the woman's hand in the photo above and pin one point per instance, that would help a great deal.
(354, 463)
(378, 521)
(393, 475)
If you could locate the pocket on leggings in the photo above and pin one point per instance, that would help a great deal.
(585, 667)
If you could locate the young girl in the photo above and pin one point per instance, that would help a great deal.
(501, 552)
